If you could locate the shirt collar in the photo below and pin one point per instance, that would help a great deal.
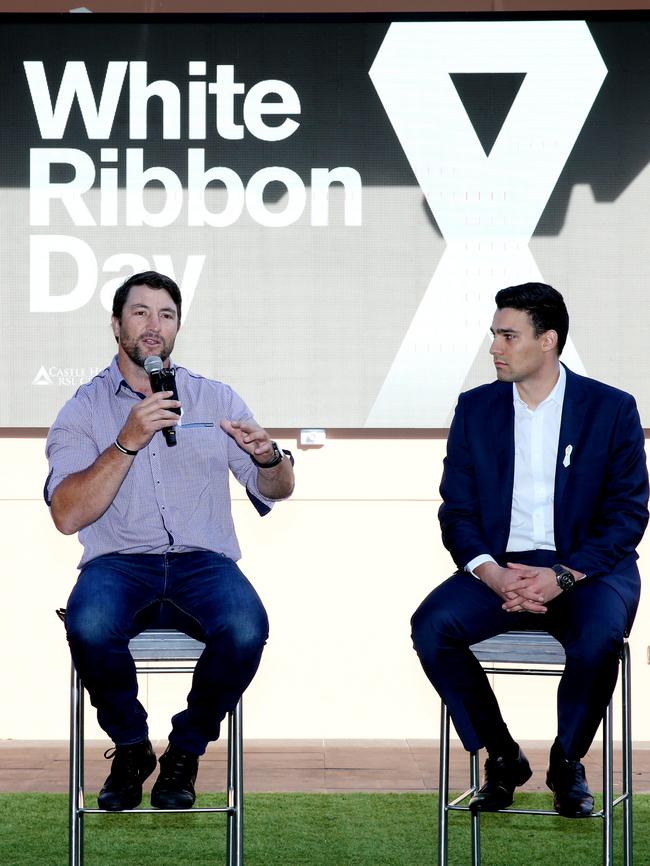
(556, 395)
(116, 377)
(118, 380)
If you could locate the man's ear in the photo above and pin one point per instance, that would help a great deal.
(549, 340)
(115, 325)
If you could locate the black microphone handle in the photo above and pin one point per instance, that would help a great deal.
(164, 380)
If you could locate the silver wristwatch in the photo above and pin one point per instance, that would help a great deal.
(565, 580)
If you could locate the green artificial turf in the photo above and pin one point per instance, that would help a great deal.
(309, 830)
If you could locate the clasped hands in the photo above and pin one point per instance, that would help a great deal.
(522, 587)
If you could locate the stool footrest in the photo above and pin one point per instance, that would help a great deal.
(144, 810)
(550, 812)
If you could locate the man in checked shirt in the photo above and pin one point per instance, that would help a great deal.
(159, 543)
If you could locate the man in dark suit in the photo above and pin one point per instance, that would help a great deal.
(545, 493)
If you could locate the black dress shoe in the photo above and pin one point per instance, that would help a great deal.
(174, 787)
(131, 766)
(502, 776)
(571, 796)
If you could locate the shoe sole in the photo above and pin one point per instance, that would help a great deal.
(575, 816)
(480, 807)
(161, 804)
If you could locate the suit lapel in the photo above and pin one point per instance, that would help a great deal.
(571, 426)
(502, 430)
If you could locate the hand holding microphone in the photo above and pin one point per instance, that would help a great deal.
(153, 413)
(163, 379)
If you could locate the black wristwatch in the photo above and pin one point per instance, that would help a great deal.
(565, 580)
(278, 457)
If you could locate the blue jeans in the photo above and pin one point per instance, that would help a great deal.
(203, 594)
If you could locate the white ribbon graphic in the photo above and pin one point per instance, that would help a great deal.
(487, 207)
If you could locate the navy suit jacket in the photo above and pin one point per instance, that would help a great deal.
(601, 496)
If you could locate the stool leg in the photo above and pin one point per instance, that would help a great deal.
(626, 702)
(235, 837)
(608, 787)
(75, 798)
(443, 787)
(475, 817)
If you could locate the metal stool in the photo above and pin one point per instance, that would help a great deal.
(541, 650)
(162, 651)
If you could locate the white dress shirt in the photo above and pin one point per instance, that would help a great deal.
(537, 433)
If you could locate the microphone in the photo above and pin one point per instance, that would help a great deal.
(163, 379)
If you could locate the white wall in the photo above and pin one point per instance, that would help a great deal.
(341, 567)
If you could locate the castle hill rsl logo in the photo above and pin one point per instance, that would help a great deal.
(64, 377)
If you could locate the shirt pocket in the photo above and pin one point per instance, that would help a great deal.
(200, 452)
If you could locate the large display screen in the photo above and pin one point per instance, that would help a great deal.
(339, 200)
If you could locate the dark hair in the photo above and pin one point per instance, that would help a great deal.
(153, 280)
(545, 307)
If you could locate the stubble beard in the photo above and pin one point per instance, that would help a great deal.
(135, 353)
(504, 375)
